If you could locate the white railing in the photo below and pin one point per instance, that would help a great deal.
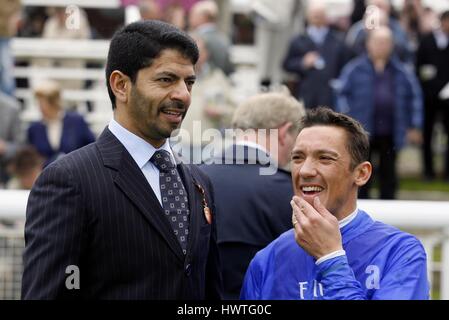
(80, 3)
(97, 50)
(428, 220)
(13, 204)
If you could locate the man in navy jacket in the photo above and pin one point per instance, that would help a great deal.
(252, 198)
(111, 214)
(377, 90)
(316, 57)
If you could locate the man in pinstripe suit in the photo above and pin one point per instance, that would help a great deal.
(98, 222)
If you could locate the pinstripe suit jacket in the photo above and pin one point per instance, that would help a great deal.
(94, 209)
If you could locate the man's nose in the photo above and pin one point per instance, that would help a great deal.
(308, 168)
(181, 93)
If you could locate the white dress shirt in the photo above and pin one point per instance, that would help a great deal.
(54, 131)
(441, 39)
(141, 151)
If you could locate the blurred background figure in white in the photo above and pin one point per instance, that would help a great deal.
(68, 25)
(275, 22)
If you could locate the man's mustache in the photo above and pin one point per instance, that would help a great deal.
(174, 106)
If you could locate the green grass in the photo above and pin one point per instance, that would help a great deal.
(417, 184)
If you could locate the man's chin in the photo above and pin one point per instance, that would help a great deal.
(167, 133)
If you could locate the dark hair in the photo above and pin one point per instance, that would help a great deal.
(357, 137)
(26, 159)
(136, 46)
(444, 15)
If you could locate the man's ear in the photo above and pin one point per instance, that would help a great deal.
(362, 173)
(283, 131)
(120, 85)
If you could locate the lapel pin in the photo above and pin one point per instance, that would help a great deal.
(206, 210)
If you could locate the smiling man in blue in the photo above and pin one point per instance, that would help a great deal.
(335, 250)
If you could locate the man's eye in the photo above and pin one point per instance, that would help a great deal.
(166, 80)
(190, 83)
(326, 158)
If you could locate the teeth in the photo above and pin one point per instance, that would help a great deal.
(172, 113)
(312, 189)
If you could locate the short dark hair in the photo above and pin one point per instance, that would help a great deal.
(26, 159)
(357, 137)
(136, 45)
(444, 15)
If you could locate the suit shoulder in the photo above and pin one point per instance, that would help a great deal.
(77, 158)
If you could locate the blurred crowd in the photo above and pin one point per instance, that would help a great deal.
(385, 67)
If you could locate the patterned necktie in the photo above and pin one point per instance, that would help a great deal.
(173, 195)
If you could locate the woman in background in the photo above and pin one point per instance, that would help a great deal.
(58, 132)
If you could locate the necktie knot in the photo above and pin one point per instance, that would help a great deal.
(162, 160)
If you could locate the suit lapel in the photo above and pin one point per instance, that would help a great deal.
(131, 181)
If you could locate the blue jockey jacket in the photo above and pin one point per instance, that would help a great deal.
(381, 262)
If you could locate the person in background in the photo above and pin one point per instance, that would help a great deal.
(358, 10)
(317, 58)
(380, 92)
(203, 20)
(274, 26)
(253, 207)
(9, 17)
(25, 167)
(64, 25)
(432, 66)
(150, 10)
(335, 250)
(11, 133)
(58, 132)
(416, 20)
(377, 14)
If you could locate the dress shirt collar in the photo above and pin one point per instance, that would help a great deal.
(252, 144)
(207, 27)
(318, 35)
(140, 150)
(347, 220)
(441, 39)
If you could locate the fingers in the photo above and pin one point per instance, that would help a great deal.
(306, 208)
(298, 218)
(294, 221)
(320, 208)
